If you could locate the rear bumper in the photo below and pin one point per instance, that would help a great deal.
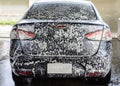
(97, 65)
(81, 67)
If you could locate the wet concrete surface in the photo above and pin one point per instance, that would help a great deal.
(6, 77)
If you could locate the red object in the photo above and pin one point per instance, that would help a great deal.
(25, 72)
(106, 35)
(27, 33)
(93, 34)
(60, 26)
(94, 74)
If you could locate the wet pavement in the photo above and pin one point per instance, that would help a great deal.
(6, 77)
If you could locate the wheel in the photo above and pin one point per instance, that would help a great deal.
(21, 81)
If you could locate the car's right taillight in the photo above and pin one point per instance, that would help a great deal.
(99, 35)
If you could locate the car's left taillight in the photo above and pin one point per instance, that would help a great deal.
(17, 33)
(25, 34)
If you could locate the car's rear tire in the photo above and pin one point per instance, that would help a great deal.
(21, 81)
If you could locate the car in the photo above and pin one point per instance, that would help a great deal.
(61, 39)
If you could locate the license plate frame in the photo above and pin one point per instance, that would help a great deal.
(59, 68)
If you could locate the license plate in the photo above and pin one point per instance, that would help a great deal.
(59, 68)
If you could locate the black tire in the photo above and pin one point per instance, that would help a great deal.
(21, 81)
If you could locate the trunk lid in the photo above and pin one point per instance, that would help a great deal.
(61, 38)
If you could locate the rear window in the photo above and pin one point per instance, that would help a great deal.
(61, 11)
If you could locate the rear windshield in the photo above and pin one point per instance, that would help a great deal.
(61, 11)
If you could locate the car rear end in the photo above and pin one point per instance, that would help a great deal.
(57, 46)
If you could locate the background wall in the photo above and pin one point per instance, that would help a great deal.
(13, 9)
(109, 10)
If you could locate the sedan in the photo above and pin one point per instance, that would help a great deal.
(61, 39)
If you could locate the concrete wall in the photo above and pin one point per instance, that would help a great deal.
(118, 28)
(110, 12)
(11, 9)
